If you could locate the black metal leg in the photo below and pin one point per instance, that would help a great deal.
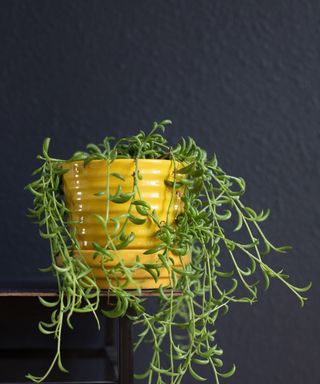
(110, 350)
(125, 351)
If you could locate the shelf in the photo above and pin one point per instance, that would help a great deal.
(53, 292)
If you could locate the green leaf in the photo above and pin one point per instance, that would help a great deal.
(251, 212)
(43, 330)
(195, 375)
(61, 269)
(262, 216)
(116, 224)
(224, 274)
(136, 220)
(47, 235)
(233, 287)
(48, 304)
(101, 250)
(283, 249)
(186, 170)
(61, 367)
(155, 217)
(218, 362)
(166, 372)
(119, 310)
(208, 353)
(304, 289)
(93, 148)
(117, 175)
(33, 191)
(162, 294)
(170, 184)
(141, 376)
(182, 251)
(230, 244)
(126, 241)
(142, 210)
(78, 156)
(226, 216)
(165, 122)
(154, 272)
(155, 249)
(183, 272)
(120, 197)
(228, 374)
(101, 220)
(36, 171)
(200, 361)
(239, 222)
(266, 279)
(141, 202)
(47, 269)
(101, 193)
(45, 146)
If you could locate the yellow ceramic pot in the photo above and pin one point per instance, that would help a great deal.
(81, 184)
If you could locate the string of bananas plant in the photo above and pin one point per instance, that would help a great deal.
(182, 329)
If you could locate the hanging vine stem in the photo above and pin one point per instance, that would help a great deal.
(210, 198)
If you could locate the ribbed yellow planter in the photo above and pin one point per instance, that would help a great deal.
(80, 186)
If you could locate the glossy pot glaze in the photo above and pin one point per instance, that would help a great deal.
(80, 187)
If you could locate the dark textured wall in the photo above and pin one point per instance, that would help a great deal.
(242, 77)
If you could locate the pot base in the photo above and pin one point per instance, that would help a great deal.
(141, 277)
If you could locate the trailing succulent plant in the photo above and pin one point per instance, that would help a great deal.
(182, 328)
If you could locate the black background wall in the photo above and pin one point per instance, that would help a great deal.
(242, 77)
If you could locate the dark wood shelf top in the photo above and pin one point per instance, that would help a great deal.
(52, 293)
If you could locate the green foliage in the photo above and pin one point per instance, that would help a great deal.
(212, 202)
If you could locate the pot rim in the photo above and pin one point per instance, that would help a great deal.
(123, 160)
